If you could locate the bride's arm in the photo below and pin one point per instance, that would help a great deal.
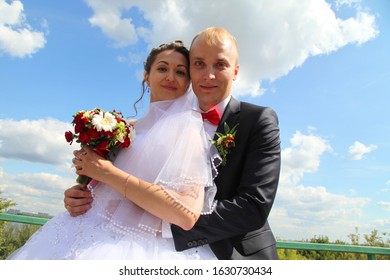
(148, 196)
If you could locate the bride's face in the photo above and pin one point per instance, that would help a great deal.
(168, 78)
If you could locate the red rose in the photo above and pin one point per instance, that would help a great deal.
(93, 133)
(103, 145)
(84, 138)
(102, 153)
(109, 134)
(69, 137)
(126, 143)
(80, 122)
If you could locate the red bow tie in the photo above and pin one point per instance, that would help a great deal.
(212, 116)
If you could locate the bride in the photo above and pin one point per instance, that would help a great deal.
(164, 177)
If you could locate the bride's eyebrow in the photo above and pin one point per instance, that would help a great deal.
(166, 63)
(162, 61)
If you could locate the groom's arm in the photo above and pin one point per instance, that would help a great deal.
(256, 186)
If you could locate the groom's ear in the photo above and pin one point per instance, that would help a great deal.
(236, 69)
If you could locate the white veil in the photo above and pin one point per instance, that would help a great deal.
(171, 150)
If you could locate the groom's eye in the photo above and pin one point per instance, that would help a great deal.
(198, 63)
(221, 65)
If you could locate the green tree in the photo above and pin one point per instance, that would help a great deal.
(12, 236)
(288, 254)
(15, 236)
(376, 240)
(317, 255)
(4, 247)
(5, 203)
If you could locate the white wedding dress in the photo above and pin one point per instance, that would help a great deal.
(170, 150)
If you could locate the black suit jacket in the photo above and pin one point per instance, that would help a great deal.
(246, 189)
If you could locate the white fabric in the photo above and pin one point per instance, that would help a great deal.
(171, 150)
(86, 237)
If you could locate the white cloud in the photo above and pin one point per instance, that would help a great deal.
(316, 205)
(304, 212)
(36, 192)
(17, 38)
(357, 150)
(302, 157)
(316, 209)
(41, 145)
(274, 36)
(35, 141)
(131, 58)
(385, 205)
(382, 223)
(108, 17)
(350, 3)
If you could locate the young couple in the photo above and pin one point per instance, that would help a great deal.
(167, 196)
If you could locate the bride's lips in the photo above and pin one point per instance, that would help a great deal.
(169, 87)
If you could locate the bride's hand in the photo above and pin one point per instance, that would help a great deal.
(90, 164)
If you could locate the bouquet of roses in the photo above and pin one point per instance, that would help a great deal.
(103, 131)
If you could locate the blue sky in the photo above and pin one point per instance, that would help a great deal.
(322, 65)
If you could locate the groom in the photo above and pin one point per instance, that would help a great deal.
(238, 227)
(247, 184)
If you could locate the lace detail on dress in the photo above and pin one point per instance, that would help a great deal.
(215, 161)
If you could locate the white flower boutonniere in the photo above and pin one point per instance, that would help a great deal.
(225, 141)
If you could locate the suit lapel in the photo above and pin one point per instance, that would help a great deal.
(230, 116)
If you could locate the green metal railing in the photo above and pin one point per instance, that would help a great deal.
(23, 219)
(371, 252)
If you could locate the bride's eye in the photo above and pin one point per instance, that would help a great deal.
(181, 72)
(162, 69)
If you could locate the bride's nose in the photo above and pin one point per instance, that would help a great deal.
(170, 77)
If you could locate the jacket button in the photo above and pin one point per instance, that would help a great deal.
(191, 244)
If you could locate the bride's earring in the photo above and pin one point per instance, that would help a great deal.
(147, 85)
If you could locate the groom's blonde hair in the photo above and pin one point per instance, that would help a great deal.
(216, 35)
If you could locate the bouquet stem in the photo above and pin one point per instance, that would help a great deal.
(83, 180)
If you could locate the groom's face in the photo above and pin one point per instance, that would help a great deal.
(213, 68)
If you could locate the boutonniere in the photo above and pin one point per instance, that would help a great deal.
(225, 141)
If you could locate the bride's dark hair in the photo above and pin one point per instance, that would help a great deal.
(175, 45)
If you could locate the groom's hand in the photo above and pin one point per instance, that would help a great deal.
(77, 200)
